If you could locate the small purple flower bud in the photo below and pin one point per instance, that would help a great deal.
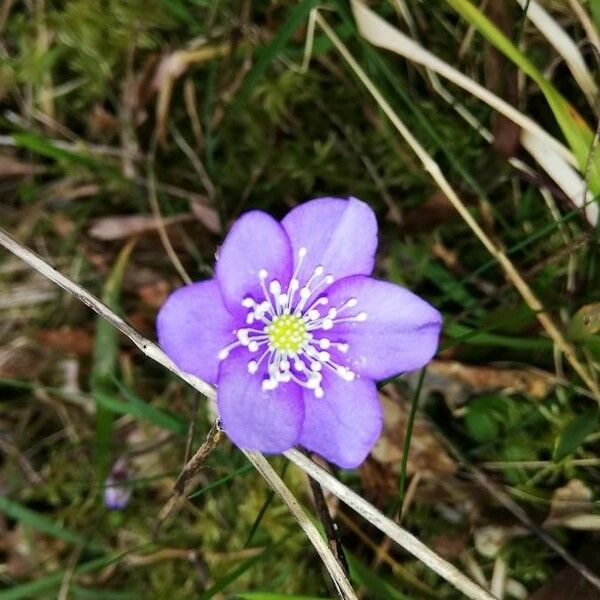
(116, 489)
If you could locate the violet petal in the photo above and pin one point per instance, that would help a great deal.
(340, 235)
(400, 333)
(255, 242)
(254, 419)
(193, 326)
(344, 424)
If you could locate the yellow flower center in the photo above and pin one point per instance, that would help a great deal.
(287, 333)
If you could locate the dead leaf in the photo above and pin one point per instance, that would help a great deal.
(170, 68)
(10, 167)
(124, 226)
(450, 546)
(208, 216)
(102, 124)
(567, 585)
(502, 78)
(490, 539)
(572, 507)
(67, 339)
(456, 381)
(154, 294)
(426, 453)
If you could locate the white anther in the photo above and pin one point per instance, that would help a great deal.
(253, 346)
(311, 384)
(263, 274)
(324, 356)
(302, 252)
(269, 384)
(324, 343)
(275, 287)
(319, 393)
(283, 299)
(294, 285)
(342, 347)
(223, 354)
(319, 271)
(327, 324)
(299, 365)
(346, 374)
(313, 314)
(242, 335)
(304, 293)
(316, 366)
(284, 365)
(352, 303)
(361, 316)
(329, 279)
(250, 318)
(248, 302)
(332, 313)
(252, 367)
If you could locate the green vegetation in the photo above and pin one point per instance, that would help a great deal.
(116, 112)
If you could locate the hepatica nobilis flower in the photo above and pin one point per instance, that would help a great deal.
(294, 331)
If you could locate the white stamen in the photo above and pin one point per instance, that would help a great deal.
(291, 350)
(275, 287)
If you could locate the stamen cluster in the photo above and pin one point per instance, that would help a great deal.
(283, 328)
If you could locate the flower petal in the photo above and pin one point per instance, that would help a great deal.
(254, 419)
(193, 325)
(256, 241)
(340, 235)
(401, 331)
(344, 424)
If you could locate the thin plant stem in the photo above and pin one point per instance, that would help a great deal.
(406, 446)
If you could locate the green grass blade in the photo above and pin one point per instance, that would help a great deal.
(378, 588)
(105, 361)
(273, 596)
(574, 434)
(578, 134)
(42, 523)
(34, 589)
(137, 407)
(234, 574)
(268, 54)
(243, 469)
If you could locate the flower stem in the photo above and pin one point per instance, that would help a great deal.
(406, 448)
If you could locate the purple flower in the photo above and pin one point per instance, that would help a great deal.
(295, 332)
(117, 492)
